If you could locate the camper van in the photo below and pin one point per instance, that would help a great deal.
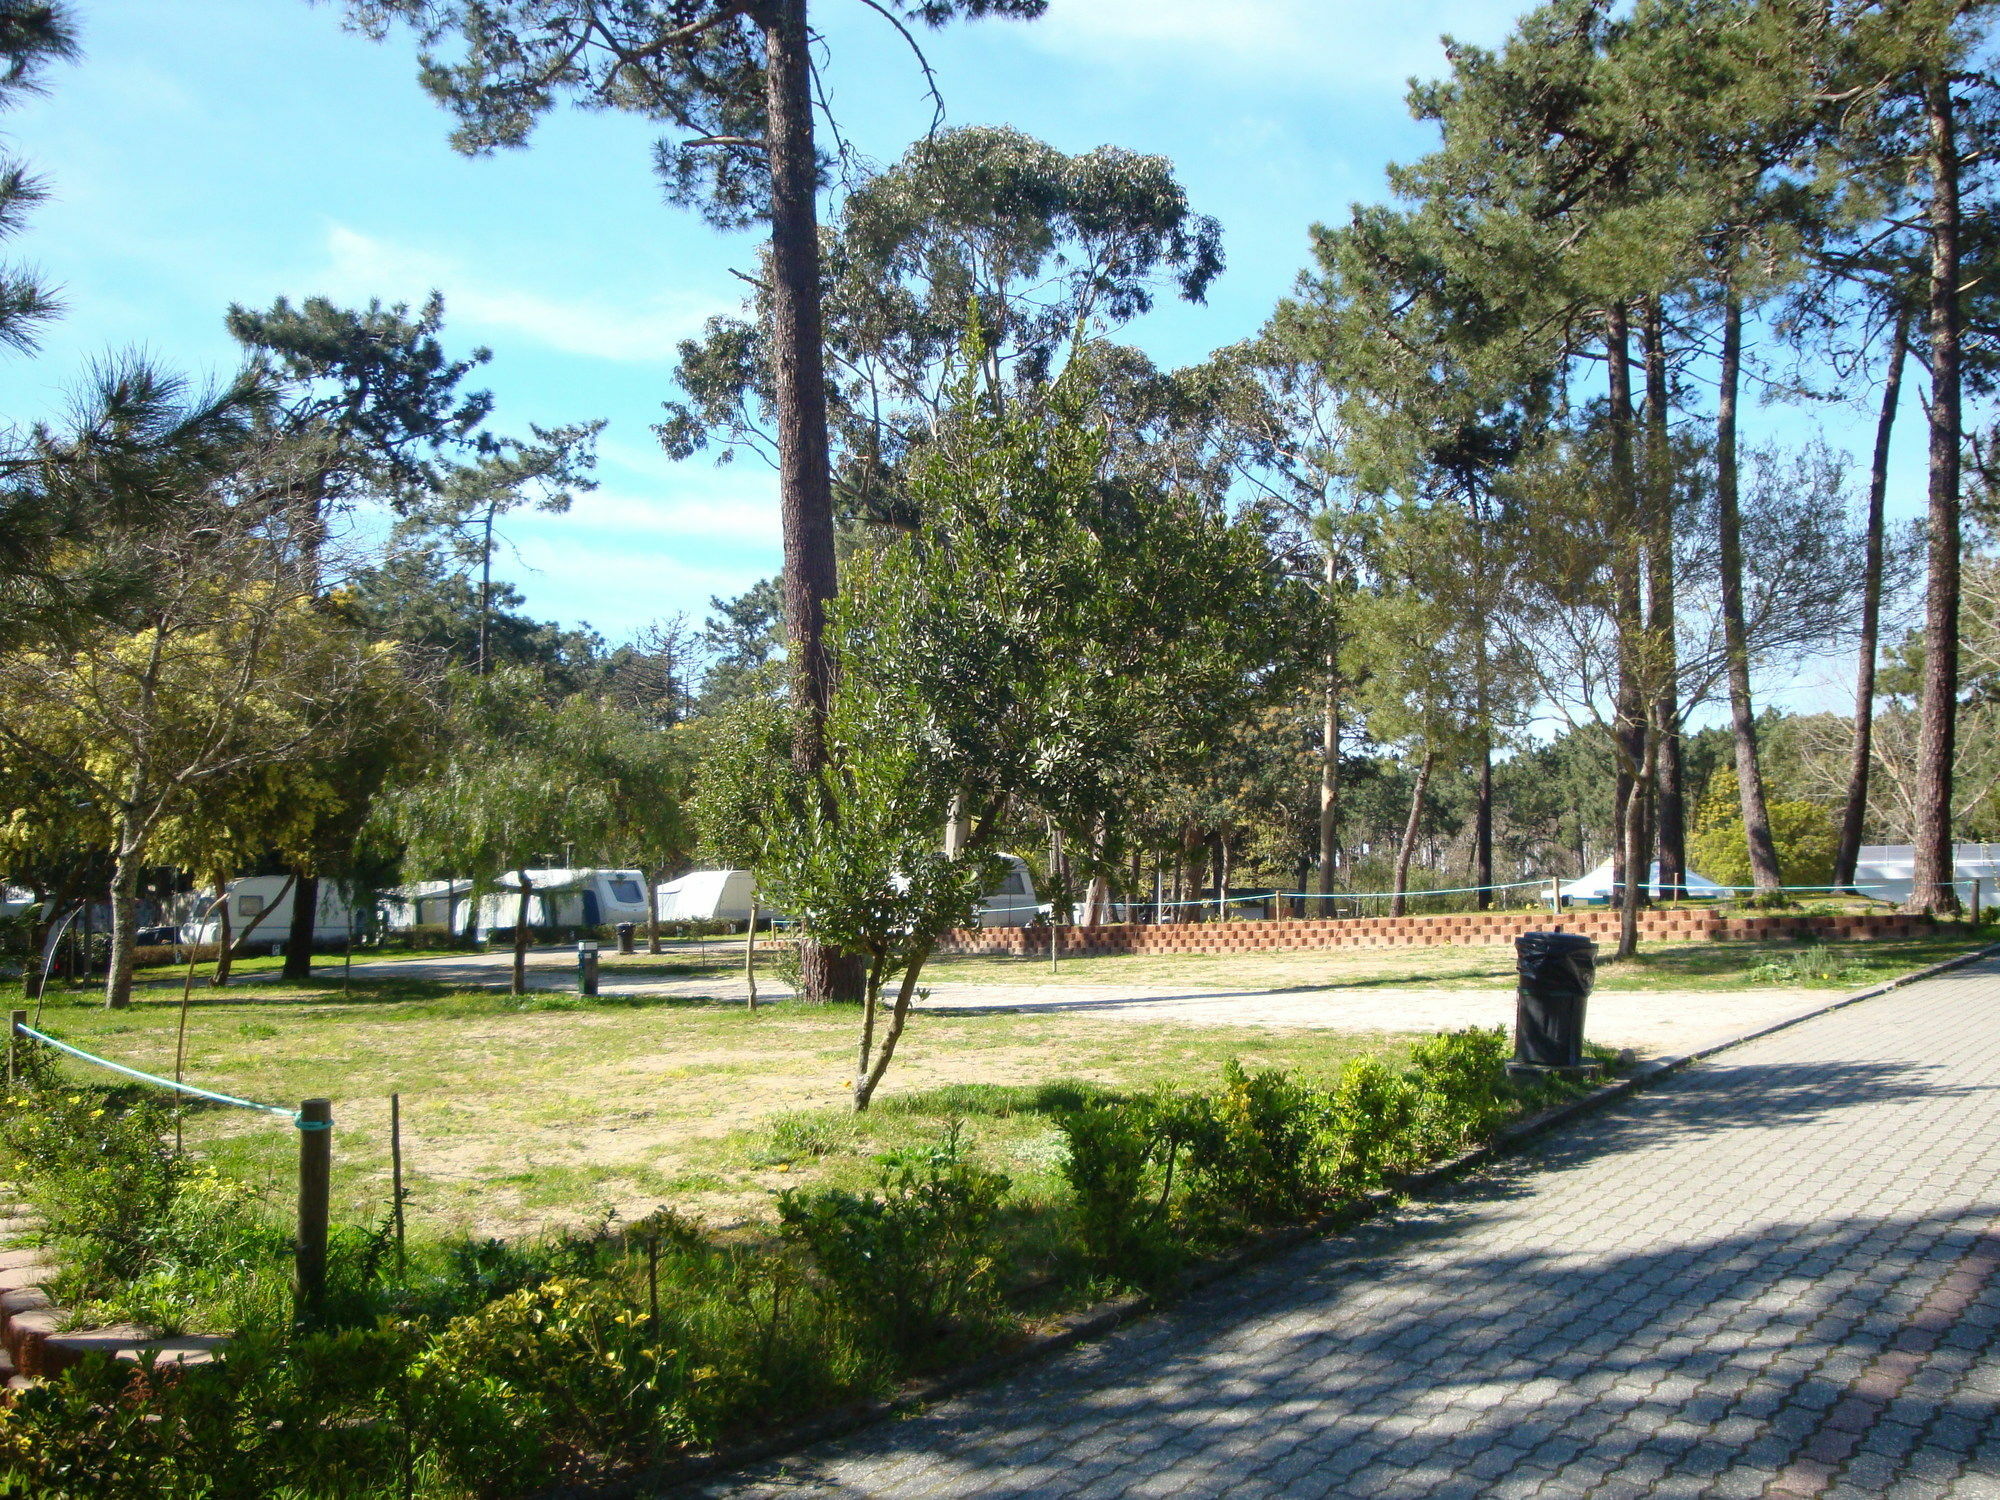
(427, 903)
(1012, 902)
(566, 898)
(260, 911)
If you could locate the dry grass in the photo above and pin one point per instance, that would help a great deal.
(519, 1115)
(557, 1110)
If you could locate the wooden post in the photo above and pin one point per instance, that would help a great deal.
(396, 1175)
(315, 1125)
(20, 1019)
(1975, 901)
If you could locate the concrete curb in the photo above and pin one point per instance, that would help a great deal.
(1095, 1322)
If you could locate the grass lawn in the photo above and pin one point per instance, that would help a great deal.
(522, 1115)
(556, 1110)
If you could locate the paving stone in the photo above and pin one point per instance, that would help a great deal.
(1771, 1272)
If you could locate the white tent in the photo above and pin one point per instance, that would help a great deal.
(1888, 871)
(707, 896)
(1596, 886)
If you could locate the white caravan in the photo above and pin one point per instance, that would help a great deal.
(260, 911)
(428, 903)
(566, 898)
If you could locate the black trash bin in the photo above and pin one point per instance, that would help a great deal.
(624, 937)
(1557, 971)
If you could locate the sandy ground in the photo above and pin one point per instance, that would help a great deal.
(1651, 1022)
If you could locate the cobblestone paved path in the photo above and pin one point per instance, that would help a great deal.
(1775, 1274)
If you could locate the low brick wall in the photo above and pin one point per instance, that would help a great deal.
(1464, 928)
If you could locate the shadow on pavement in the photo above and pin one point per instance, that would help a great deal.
(1369, 1365)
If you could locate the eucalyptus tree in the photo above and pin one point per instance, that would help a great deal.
(220, 668)
(1279, 401)
(1044, 249)
(1537, 221)
(731, 81)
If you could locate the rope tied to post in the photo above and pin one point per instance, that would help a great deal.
(167, 1083)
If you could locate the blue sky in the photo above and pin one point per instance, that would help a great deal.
(210, 151)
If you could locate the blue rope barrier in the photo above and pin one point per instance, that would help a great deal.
(168, 1083)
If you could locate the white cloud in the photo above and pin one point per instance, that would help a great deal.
(1352, 42)
(644, 330)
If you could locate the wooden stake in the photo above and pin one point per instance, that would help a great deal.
(20, 1019)
(315, 1125)
(396, 1175)
(653, 1280)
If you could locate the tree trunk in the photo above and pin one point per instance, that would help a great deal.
(1402, 880)
(1854, 813)
(750, 951)
(1482, 824)
(1932, 889)
(653, 910)
(225, 943)
(124, 923)
(1329, 755)
(869, 1076)
(520, 979)
(486, 593)
(1670, 798)
(1221, 877)
(305, 923)
(1764, 872)
(1633, 835)
(798, 374)
(1621, 807)
(1669, 793)
(1629, 730)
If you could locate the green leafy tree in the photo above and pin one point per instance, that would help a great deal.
(224, 666)
(519, 777)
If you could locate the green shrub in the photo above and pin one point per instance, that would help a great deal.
(326, 1415)
(1462, 1090)
(1373, 1126)
(916, 1262)
(547, 1381)
(1263, 1147)
(97, 1169)
(1120, 1162)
